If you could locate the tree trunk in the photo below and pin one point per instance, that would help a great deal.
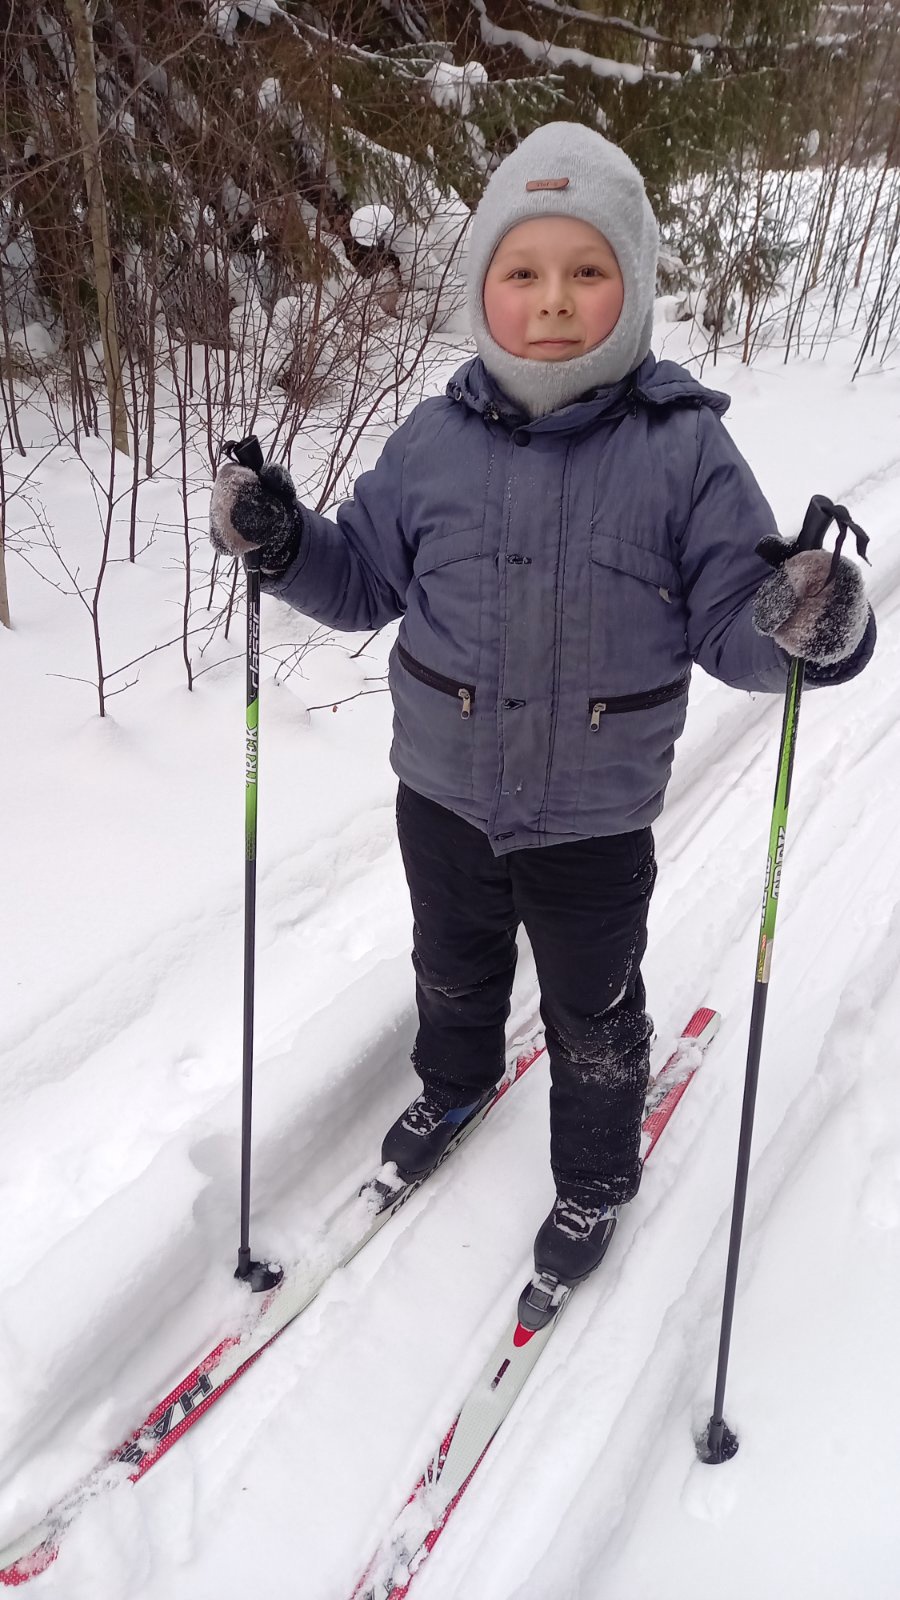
(81, 17)
(4, 592)
(888, 162)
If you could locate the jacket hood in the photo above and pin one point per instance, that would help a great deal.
(653, 383)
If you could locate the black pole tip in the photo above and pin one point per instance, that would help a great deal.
(258, 1275)
(718, 1444)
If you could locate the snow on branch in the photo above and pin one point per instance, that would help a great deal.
(58, 43)
(541, 50)
(224, 14)
(454, 88)
(263, 11)
(704, 41)
(410, 67)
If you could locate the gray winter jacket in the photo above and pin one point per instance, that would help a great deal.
(556, 581)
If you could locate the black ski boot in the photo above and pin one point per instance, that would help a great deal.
(420, 1138)
(573, 1240)
(570, 1245)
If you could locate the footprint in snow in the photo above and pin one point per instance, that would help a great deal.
(880, 1200)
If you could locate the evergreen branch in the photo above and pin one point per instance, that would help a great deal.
(708, 43)
(567, 55)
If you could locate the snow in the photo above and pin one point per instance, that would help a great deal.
(268, 95)
(454, 88)
(557, 55)
(370, 223)
(120, 1050)
(225, 14)
(236, 202)
(262, 11)
(34, 340)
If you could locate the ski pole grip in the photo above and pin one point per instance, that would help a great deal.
(247, 453)
(818, 519)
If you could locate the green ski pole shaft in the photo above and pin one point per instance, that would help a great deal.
(719, 1443)
(258, 1274)
(250, 807)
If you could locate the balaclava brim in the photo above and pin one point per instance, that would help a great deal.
(568, 170)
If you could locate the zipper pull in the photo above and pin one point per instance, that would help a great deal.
(466, 699)
(596, 709)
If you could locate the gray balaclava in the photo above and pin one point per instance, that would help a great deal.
(568, 170)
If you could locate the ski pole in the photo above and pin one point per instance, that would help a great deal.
(719, 1444)
(258, 1274)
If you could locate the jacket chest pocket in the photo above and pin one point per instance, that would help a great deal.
(637, 611)
(446, 601)
(441, 550)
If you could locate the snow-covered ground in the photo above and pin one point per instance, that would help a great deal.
(120, 1050)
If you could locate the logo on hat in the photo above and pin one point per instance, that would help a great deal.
(547, 183)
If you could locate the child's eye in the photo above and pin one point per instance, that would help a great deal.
(520, 274)
(590, 272)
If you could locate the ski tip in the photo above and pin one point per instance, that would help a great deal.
(26, 1567)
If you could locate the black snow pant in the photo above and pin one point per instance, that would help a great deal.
(584, 906)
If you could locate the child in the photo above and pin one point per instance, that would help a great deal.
(563, 533)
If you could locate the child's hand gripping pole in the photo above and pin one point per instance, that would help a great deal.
(259, 1275)
(719, 1444)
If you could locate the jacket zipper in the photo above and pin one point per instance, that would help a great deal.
(465, 692)
(635, 702)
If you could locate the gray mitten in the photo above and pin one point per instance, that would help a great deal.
(256, 511)
(814, 605)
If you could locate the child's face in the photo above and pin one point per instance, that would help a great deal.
(553, 289)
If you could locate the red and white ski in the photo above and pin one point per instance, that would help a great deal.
(358, 1221)
(416, 1530)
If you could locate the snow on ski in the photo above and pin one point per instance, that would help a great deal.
(421, 1522)
(355, 1223)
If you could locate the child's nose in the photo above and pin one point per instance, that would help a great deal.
(557, 301)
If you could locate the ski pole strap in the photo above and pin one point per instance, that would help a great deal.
(819, 517)
(820, 514)
(845, 522)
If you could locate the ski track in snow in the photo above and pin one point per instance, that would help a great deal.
(637, 1352)
(350, 1406)
(86, 1021)
(147, 1162)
